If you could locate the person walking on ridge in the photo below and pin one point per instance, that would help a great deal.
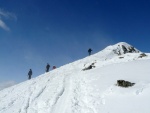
(89, 51)
(29, 74)
(47, 67)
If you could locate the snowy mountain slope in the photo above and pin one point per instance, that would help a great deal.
(69, 89)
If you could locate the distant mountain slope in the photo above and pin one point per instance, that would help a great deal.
(73, 88)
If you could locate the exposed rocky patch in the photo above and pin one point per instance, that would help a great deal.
(123, 48)
(123, 83)
(142, 55)
(89, 67)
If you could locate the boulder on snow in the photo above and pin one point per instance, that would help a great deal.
(121, 57)
(142, 55)
(123, 83)
(89, 67)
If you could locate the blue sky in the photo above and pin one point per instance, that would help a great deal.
(36, 32)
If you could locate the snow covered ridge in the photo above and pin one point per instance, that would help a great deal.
(73, 89)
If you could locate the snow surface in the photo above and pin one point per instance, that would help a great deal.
(69, 89)
(6, 84)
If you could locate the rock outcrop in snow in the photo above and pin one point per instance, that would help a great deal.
(122, 48)
(124, 83)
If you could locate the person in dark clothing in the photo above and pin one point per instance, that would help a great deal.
(29, 74)
(89, 51)
(47, 67)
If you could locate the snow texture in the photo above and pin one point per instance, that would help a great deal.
(69, 89)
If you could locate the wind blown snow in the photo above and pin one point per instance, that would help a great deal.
(69, 89)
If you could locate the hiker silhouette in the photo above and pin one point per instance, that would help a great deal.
(89, 51)
(47, 67)
(29, 74)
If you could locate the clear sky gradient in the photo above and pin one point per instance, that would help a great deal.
(36, 32)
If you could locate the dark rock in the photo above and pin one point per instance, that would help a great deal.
(123, 83)
(124, 49)
(89, 67)
(121, 57)
(131, 49)
(142, 55)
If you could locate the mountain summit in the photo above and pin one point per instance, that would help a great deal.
(122, 48)
(89, 85)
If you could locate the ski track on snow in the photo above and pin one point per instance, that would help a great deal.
(62, 97)
(83, 97)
